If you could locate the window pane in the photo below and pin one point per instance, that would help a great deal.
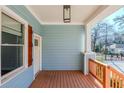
(36, 42)
(8, 38)
(11, 58)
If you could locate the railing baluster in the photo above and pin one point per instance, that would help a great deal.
(112, 80)
(106, 75)
(116, 84)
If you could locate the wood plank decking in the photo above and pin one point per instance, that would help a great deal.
(63, 79)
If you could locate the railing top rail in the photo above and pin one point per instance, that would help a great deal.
(98, 62)
(109, 67)
(116, 71)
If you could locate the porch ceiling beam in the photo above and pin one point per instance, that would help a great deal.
(101, 13)
(95, 14)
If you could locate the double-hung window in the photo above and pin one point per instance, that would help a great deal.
(12, 44)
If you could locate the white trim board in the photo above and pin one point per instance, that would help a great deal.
(34, 34)
(37, 18)
(63, 24)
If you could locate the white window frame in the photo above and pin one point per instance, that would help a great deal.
(7, 77)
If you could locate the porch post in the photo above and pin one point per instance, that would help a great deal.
(88, 53)
(87, 39)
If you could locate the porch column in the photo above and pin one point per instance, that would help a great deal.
(88, 52)
(87, 38)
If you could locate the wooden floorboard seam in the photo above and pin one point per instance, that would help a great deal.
(63, 79)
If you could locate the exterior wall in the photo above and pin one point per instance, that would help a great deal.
(25, 78)
(62, 47)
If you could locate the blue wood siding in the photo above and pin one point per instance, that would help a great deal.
(62, 45)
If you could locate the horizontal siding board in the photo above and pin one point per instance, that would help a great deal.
(62, 45)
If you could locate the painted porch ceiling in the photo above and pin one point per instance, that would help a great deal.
(53, 14)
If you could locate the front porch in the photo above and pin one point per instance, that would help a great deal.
(68, 61)
(94, 74)
(64, 79)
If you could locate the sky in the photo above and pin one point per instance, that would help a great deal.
(110, 18)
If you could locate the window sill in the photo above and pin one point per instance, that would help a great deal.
(6, 78)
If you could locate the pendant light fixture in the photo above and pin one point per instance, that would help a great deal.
(66, 13)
